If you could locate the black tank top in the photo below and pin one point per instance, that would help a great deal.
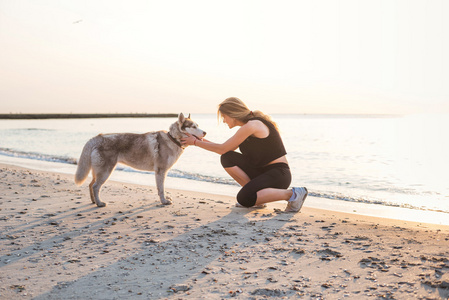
(260, 151)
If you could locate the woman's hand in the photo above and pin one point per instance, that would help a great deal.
(189, 140)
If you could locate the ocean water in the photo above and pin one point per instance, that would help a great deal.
(394, 161)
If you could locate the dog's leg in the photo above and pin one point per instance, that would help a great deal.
(160, 178)
(101, 177)
(91, 191)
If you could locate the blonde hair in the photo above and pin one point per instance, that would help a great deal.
(237, 109)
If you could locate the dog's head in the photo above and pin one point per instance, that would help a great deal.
(187, 125)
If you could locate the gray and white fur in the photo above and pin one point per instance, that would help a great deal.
(154, 151)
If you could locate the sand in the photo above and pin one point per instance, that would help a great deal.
(55, 244)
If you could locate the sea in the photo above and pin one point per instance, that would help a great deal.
(382, 165)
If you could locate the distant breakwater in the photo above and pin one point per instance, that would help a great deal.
(82, 116)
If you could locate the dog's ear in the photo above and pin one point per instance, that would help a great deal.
(181, 118)
(188, 116)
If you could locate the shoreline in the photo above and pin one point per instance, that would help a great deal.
(55, 244)
(81, 116)
(356, 208)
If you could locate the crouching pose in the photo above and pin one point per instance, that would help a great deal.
(261, 167)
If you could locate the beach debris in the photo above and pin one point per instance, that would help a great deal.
(62, 284)
(151, 241)
(17, 287)
(234, 293)
(375, 263)
(299, 251)
(180, 288)
(178, 213)
(437, 284)
(360, 238)
(269, 292)
(327, 254)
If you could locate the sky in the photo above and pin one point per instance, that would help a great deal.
(144, 56)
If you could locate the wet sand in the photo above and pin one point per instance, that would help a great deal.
(55, 244)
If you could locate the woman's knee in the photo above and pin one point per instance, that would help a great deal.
(229, 159)
(247, 199)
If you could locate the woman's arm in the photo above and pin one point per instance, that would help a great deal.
(230, 145)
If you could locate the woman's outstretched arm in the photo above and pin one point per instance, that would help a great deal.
(230, 145)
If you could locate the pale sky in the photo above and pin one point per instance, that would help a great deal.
(91, 56)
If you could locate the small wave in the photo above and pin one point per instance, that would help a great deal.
(36, 129)
(185, 175)
(335, 196)
(27, 129)
(211, 179)
(331, 196)
(37, 156)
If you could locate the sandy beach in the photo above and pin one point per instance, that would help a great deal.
(55, 244)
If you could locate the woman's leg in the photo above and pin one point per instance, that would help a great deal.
(235, 165)
(271, 195)
(238, 174)
(270, 186)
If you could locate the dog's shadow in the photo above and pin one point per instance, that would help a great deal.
(66, 224)
(182, 260)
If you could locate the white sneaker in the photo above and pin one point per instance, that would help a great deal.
(296, 204)
(255, 206)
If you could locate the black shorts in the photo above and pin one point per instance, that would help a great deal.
(276, 175)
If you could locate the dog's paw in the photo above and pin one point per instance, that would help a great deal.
(101, 204)
(167, 201)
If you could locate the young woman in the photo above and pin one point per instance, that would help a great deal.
(261, 168)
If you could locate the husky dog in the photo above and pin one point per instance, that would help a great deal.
(153, 151)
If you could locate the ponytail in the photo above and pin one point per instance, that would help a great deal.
(259, 114)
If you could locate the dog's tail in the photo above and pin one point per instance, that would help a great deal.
(84, 163)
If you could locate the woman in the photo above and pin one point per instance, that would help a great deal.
(261, 168)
